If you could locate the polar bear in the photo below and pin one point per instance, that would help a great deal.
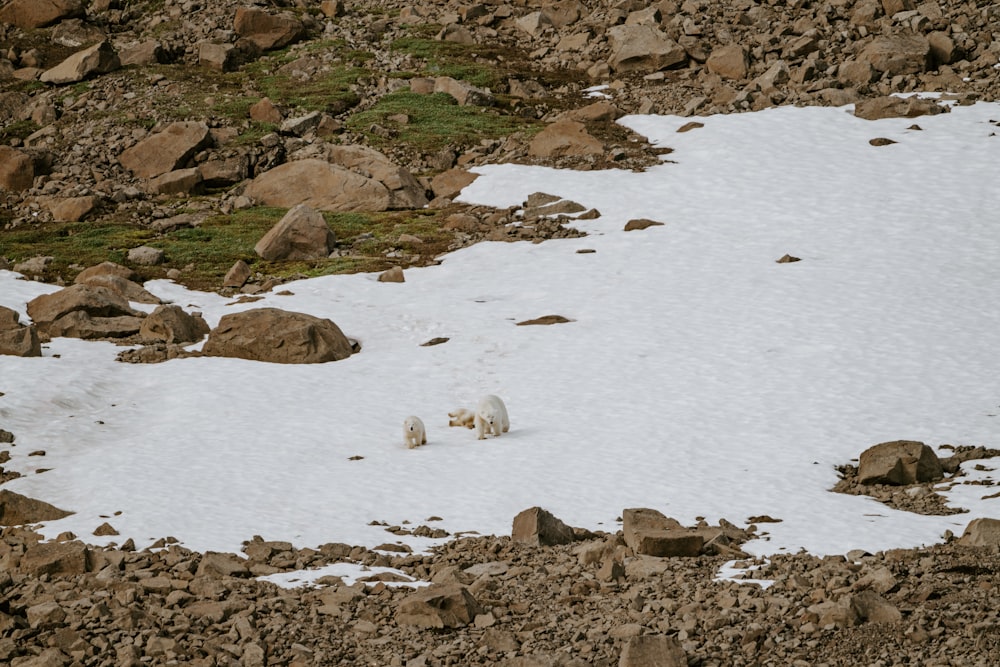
(414, 434)
(491, 417)
(462, 417)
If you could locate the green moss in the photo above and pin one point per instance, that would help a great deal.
(434, 121)
(450, 59)
(20, 129)
(206, 252)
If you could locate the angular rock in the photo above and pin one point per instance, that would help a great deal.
(176, 182)
(167, 150)
(943, 48)
(16, 510)
(267, 31)
(981, 532)
(639, 519)
(598, 112)
(215, 564)
(80, 324)
(450, 183)
(667, 543)
(729, 62)
(17, 339)
(540, 527)
(890, 106)
(438, 606)
(237, 275)
(107, 269)
(95, 301)
(319, 185)
(17, 170)
(464, 93)
(564, 138)
(643, 48)
(45, 615)
(265, 112)
(223, 172)
(30, 14)
(278, 336)
(652, 651)
(899, 54)
(899, 462)
(171, 324)
(149, 52)
(56, 558)
(227, 57)
(301, 234)
(100, 58)
(404, 189)
(73, 209)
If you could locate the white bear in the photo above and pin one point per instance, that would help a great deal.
(462, 417)
(491, 417)
(414, 434)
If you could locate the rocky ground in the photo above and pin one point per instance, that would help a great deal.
(521, 71)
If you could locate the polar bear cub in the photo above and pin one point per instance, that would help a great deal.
(462, 417)
(414, 433)
(491, 417)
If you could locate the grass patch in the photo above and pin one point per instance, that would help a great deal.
(450, 59)
(434, 121)
(21, 129)
(206, 252)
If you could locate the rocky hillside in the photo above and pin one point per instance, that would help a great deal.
(169, 136)
(156, 122)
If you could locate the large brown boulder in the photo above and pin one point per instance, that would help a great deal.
(106, 269)
(643, 48)
(17, 339)
(729, 62)
(16, 510)
(540, 527)
(899, 462)
(898, 54)
(565, 138)
(167, 150)
(56, 558)
(438, 606)
(982, 532)
(29, 14)
(320, 185)
(279, 336)
(171, 324)
(94, 301)
(890, 106)
(404, 189)
(130, 290)
(100, 58)
(301, 234)
(267, 31)
(17, 170)
(652, 651)
(81, 324)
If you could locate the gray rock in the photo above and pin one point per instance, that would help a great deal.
(146, 256)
